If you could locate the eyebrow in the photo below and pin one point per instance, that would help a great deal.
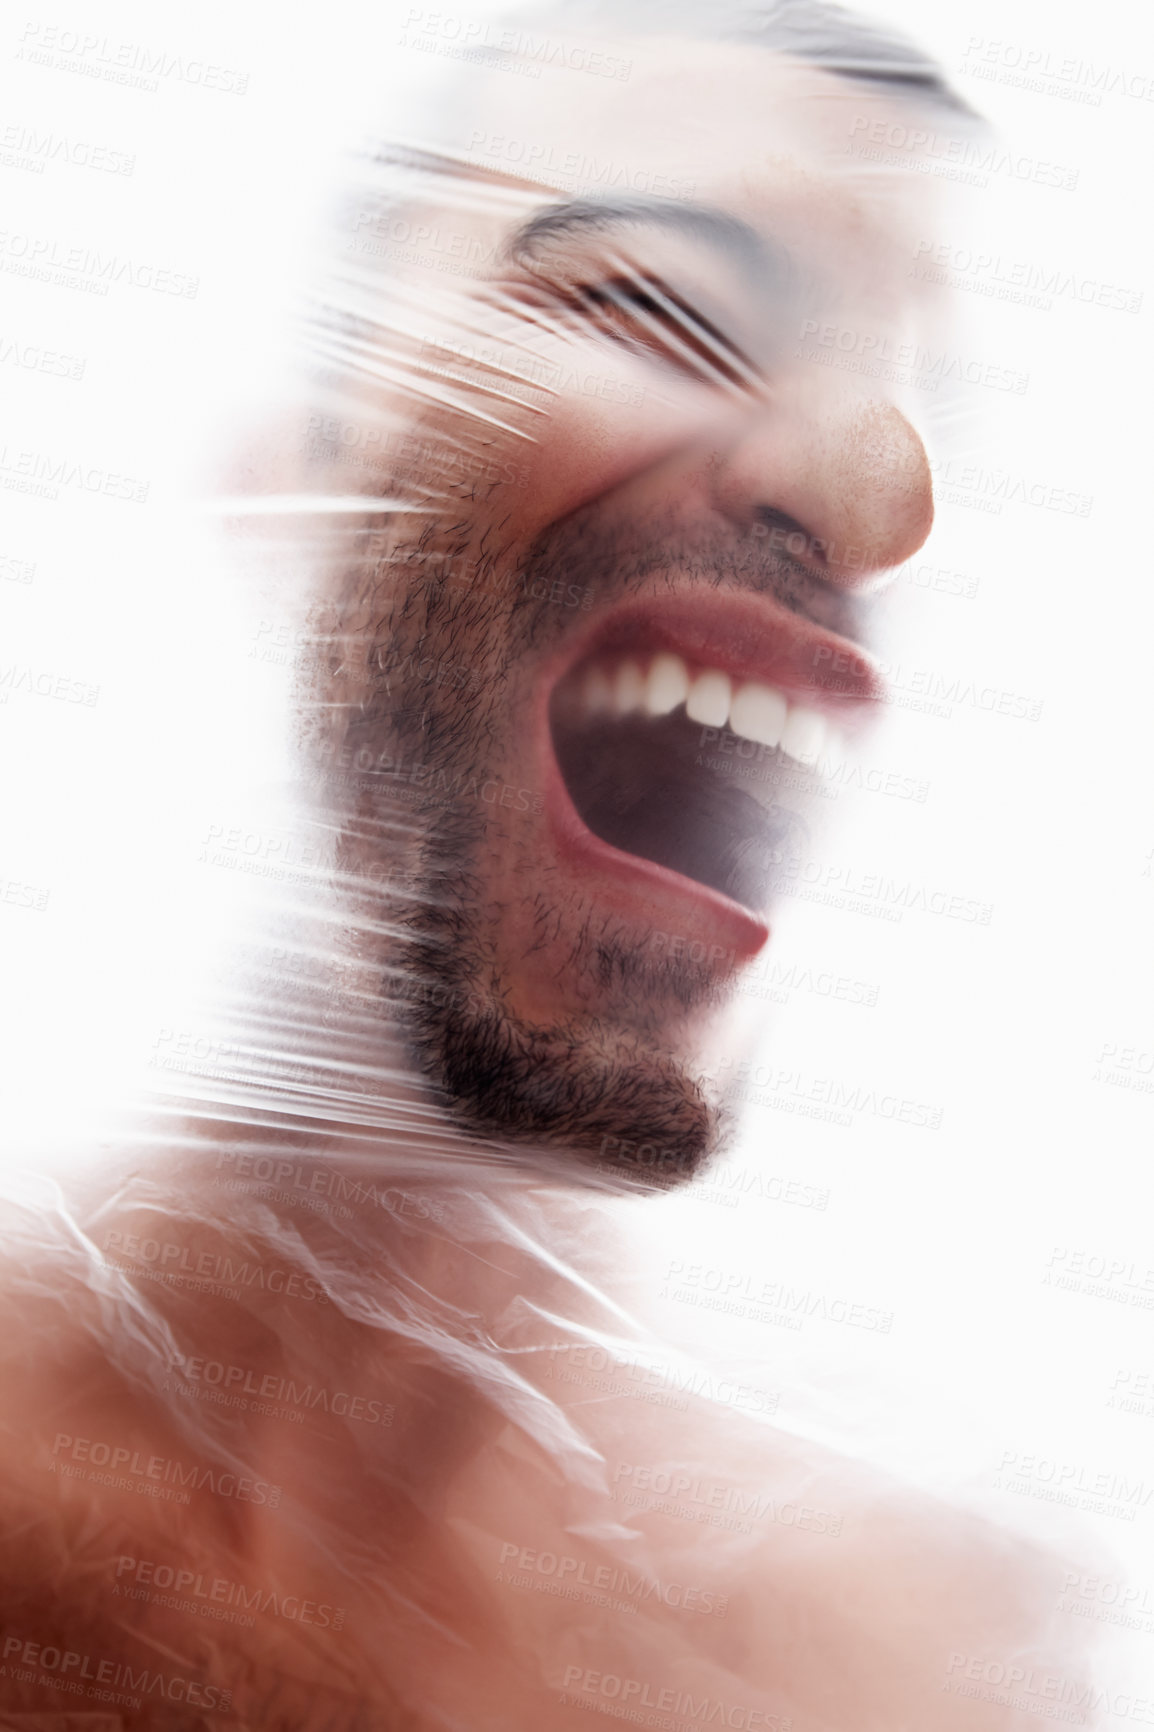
(718, 228)
(724, 232)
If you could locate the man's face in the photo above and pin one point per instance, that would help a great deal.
(596, 663)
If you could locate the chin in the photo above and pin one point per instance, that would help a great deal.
(586, 1096)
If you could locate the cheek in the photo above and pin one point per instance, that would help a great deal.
(536, 422)
(611, 424)
(605, 429)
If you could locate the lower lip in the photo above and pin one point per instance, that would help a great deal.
(635, 887)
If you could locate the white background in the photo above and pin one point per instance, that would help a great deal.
(1032, 1034)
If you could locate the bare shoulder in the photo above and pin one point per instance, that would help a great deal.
(742, 1565)
(235, 1504)
(144, 1565)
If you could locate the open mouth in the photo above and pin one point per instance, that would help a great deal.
(693, 742)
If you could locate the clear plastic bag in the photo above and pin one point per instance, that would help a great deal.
(345, 1385)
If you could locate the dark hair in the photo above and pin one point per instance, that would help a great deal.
(820, 32)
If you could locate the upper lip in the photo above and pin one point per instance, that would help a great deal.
(748, 637)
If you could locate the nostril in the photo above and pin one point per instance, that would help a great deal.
(787, 535)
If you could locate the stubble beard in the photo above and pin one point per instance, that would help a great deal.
(448, 672)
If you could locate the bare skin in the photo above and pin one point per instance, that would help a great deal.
(698, 473)
(301, 1470)
(409, 1544)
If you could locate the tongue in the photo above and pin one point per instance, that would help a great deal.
(648, 788)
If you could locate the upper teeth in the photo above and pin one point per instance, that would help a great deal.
(750, 709)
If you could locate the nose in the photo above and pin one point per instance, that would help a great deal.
(844, 480)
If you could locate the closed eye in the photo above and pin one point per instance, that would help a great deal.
(643, 313)
(646, 313)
